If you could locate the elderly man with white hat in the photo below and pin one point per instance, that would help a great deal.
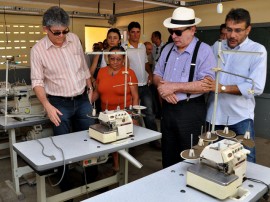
(179, 75)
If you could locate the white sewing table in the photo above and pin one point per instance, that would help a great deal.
(10, 125)
(77, 147)
(170, 185)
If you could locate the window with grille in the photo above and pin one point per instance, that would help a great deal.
(16, 41)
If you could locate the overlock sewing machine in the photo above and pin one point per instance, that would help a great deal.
(24, 103)
(114, 125)
(221, 169)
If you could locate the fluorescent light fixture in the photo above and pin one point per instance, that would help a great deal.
(157, 3)
(219, 8)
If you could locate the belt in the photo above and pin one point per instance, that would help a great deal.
(142, 86)
(69, 98)
(199, 99)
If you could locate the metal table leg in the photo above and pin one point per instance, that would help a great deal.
(17, 172)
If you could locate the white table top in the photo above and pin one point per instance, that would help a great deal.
(166, 185)
(13, 123)
(76, 146)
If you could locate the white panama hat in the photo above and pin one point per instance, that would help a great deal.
(182, 17)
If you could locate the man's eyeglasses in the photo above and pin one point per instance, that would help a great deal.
(58, 33)
(177, 32)
(237, 30)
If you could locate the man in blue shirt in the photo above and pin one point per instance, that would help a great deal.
(181, 90)
(235, 102)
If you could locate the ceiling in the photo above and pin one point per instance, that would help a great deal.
(117, 7)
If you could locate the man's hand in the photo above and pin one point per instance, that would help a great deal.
(209, 84)
(150, 79)
(53, 114)
(166, 92)
(165, 88)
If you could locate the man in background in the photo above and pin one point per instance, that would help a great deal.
(222, 31)
(149, 49)
(137, 58)
(157, 46)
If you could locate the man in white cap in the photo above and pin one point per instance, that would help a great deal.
(179, 75)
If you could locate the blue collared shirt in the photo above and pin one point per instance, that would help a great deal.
(239, 107)
(178, 65)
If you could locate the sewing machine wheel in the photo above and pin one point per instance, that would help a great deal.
(213, 137)
(138, 107)
(185, 154)
(231, 134)
(246, 142)
(91, 116)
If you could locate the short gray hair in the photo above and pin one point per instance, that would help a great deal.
(55, 16)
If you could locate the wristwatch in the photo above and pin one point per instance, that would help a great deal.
(223, 88)
(89, 89)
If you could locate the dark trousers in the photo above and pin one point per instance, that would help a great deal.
(147, 101)
(156, 101)
(178, 122)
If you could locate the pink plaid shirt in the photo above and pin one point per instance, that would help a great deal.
(62, 71)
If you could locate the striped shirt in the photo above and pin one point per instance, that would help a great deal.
(62, 71)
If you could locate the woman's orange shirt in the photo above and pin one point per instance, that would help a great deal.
(108, 90)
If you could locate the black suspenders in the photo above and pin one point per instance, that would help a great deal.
(192, 65)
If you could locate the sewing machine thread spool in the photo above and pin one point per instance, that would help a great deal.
(209, 137)
(247, 135)
(94, 112)
(208, 134)
(230, 134)
(201, 142)
(191, 153)
(226, 130)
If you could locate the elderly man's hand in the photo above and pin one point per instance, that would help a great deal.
(165, 88)
(166, 91)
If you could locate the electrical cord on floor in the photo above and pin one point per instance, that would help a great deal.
(265, 196)
(53, 158)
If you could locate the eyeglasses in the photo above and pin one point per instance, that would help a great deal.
(177, 32)
(237, 30)
(58, 33)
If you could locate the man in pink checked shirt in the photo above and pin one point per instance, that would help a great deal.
(60, 77)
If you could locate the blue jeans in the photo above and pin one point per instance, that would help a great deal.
(240, 129)
(146, 100)
(74, 112)
(74, 119)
